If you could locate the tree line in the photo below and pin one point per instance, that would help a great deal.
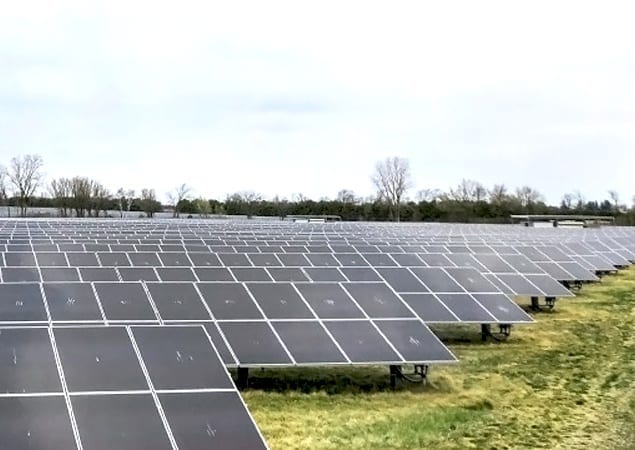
(468, 201)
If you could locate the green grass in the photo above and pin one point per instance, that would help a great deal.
(565, 382)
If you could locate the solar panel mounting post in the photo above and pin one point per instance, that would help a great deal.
(243, 378)
(486, 330)
(394, 375)
(551, 302)
(534, 303)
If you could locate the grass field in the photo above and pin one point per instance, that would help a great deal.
(565, 382)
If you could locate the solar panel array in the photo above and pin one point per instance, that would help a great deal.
(118, 387)
(110, 323)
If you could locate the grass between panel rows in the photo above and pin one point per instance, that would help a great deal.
(565, 382)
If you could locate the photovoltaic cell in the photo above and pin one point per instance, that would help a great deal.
(549, 286)
(470, 279)
(377, 300)
(59, 274)
(219, 344)
(35, 422)
(29, 365)
(436, 279)
(98, 274)
(99, 359)
(126, 422)
(519, 284)
(254, 343)
(308, 342)
(279, 301)
(466, 308)
(51, 260)
(20, 259)
(71, 302)
(501, 307)
(135, 274)
(429, 308)
(287, 274)
(124, 301)
(413, 340)
(362, 342)
(178, 301)
(176, 274)
(180, 358)
(20, 274)
(144, 259)
(207, 420)
(21, 303)
(329, 301)
(360, 274)
(113, 259)
(402, 280)
(229, 301)
(250, 274)
(324, 274)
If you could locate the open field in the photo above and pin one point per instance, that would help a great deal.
(566, 382)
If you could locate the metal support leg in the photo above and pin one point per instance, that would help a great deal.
(394, 374)
(551, 302)
(534, 303)
(243, 378)
(486, 330)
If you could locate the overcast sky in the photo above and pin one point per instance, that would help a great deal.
(283, 97)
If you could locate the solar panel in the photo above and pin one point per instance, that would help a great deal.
(123, 387)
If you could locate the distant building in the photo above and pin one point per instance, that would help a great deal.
(561, 220)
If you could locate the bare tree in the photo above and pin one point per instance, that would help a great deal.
(429, 195)
(392, 179)
(202, 206)
(247, 199)
(579, 200)
(25, 173)
(149, 202)
(60, 190)
(121, 201)
(528, 196)
(567, 201)
(469, 191)
(179, 194)
(81, 191)
(346, 196)
(100, 197)
(498, 194)
(4, 197)
(615, 198)
(299, 197)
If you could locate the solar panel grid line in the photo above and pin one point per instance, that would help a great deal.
(99, 304)
(321, 323)
(403, 302)
(155, 397)
(153, 305)
(223, 337)
(465, 290)
(268, 322)
(30, 394)
(368, 318)
(537, 291)
(67, 399)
